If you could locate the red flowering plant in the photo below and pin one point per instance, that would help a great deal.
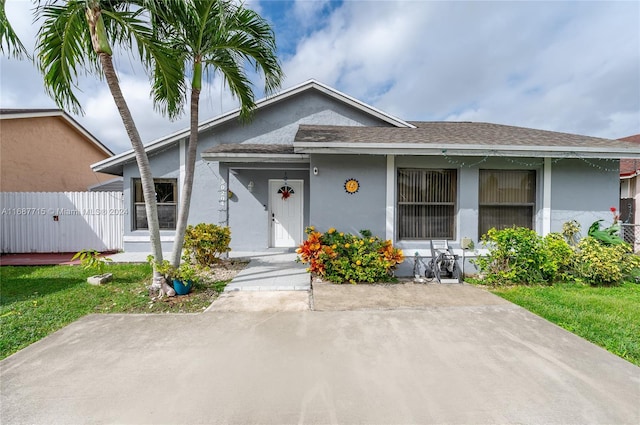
(341, 257)
(609, 235)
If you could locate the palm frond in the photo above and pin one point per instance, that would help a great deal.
(168, 86)
(63, 48)
(10, 44)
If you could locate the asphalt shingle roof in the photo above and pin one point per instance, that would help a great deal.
(463, 133)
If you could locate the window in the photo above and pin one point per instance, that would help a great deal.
(426, 203)
(166, 196)
(507, 198)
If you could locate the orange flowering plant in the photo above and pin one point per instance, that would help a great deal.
(342, 257)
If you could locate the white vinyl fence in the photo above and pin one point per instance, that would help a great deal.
(61, 221)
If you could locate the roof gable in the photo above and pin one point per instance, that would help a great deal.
(117, 161)
(7, 114)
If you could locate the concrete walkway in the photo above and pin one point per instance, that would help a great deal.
(271, 270)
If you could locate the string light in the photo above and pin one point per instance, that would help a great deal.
(592, 165)
(494, 154)
(463, 164)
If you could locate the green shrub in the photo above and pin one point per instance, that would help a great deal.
(598, 263)
(342, 257)
(519, 255)
(559, 257)
(204, 243)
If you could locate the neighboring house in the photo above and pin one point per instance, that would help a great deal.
(630, 195)
(45, 150)
(630, 185)
(315, 156)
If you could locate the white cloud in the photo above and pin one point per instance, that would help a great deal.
(307, 11)
(561, 66)
(558, 66)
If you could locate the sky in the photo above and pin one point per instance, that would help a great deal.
(560, 65)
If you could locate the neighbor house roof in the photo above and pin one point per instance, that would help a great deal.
(630, 167)
(458, 138)
(114, 165)
(6, 114)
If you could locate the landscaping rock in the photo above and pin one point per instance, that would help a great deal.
(100, 279)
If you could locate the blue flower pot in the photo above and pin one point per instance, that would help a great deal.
(180, 287)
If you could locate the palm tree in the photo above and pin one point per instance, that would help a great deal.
(78, 35)
(216, 37)
(10, 44)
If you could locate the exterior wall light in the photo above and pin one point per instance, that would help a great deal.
(250, 186)
(315, 171)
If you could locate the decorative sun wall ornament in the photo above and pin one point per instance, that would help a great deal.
(351, 186)
(286, 191)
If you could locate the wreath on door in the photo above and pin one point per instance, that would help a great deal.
(286, 191)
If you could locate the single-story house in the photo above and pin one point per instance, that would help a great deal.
(630, 195)
(315, 156)
(629, 185)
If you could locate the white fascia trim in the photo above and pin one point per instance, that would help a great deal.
(130, 154)
(253, 157)
(629, 176)
(31, 114)
(461, 150)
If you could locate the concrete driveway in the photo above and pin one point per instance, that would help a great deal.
(482, 360)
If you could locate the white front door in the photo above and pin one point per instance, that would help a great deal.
(286, 206)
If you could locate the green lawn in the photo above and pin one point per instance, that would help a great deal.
(36, 301)
(606, 316)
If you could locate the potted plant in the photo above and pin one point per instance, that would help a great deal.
(183, 278)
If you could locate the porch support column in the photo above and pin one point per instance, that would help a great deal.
(546, 197)
(390, 200)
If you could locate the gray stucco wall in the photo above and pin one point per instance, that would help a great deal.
(275, 123)
(332, 206)
(278, 122)
(249, 217)
(583, 190)
(579, 190)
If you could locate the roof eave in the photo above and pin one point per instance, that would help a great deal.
(256, 157)
(461, 150)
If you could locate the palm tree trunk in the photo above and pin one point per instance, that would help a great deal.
(146, 177)
(187, 185)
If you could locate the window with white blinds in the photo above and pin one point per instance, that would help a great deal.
(507, 198)
(426, 203)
